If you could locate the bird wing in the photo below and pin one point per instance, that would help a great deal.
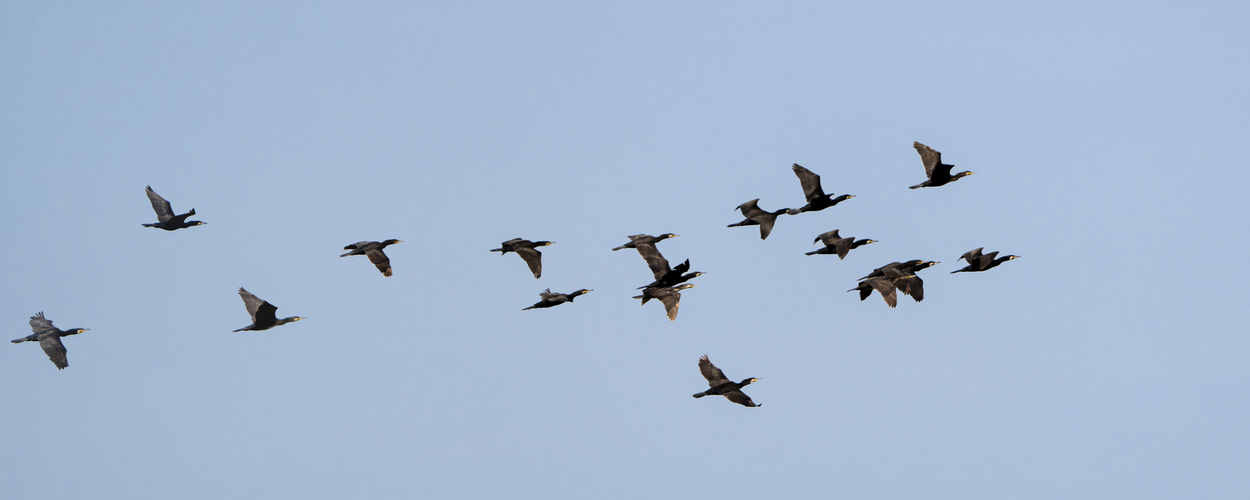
(52, 345)
(740, 398)
(930, 158)
(656, 261)
(260, 310)
(971, 254)
(766, 222)
(163, 210)
(710, 372)
(887, 290)
(842, 246)
(810, 182)
(533, 258)
(751, 208)
(38, 323)
(984, 261)
(380, 260)
(547, 294)
(828, 237)
(671, 302)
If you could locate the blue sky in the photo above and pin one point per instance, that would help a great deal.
(1108, 362)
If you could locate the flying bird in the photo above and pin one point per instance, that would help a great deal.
(165, 214)
(525, 248)
(838, 245)
(635, 239)
(373, 250)
(49, 338)
(264, 315)
(722, 386)
(670, 297)
(554, 299)
(982, 262)
(817, 199)
(664, 275)
(755, 216)
(939, 173)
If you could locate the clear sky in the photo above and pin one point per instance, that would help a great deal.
(1108, 140)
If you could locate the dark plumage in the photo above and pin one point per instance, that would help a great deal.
(939, 173)
(722, 386)
(664, 275)
(554, 299)
(837, 245)
(49, 338)
(264, 315)
(165, 214)
(755, 216)
(978, 262)
(816, 197)
(670, 297)
(635, 239)
(889, 283)
(909, 267)
(373, 250)
(525, 248)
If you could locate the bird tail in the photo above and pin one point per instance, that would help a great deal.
(241, 329)
(149, 225)
(618, 248)
(743, 223)
(917, 186)
(701, 394)
(346, 254)
(813, 252)
(499, 250)
(19, 341)
(643, 297)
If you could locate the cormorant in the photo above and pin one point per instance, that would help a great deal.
(722, 386)
(755, 216)
(525, 248)
(978, 262)
(670, 297)
(373, 250)
(264, 314)
(554, 299)
(835, 244)
(939, 173)
(635, 239)
(816, 198)
(664, 276)
(49, 338)
(165, 214)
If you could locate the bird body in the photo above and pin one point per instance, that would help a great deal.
(526, 249)
(550, 299)
(165, 214)
(816, 197)
(939, 173)
(635, 239)
(755, 216)
(978, 262)
(49, 338)
(373, 250)
(722, 386)
(264, 315)
(669, 296)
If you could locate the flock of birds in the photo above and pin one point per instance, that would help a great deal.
(668, 281)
